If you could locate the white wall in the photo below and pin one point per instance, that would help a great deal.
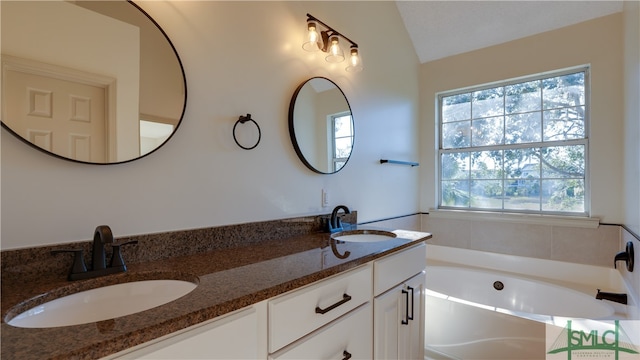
(239, 57)
(631, 136)
(597, 42)
(632, 115)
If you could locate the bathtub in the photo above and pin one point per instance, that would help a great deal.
(483, 305)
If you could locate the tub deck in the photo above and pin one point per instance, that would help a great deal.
(580, 277)
(459, 330)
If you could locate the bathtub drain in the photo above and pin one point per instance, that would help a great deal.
(498, 285)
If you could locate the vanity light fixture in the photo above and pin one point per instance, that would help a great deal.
(328, 40)
(336, 54)
(355, 62)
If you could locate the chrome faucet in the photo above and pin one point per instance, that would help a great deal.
(335, 224)
(101, 236)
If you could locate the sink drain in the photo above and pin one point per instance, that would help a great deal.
(498, 285)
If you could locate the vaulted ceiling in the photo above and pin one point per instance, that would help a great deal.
(443, 28)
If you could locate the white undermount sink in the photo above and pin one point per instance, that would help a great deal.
(103, 303)
(363, 236)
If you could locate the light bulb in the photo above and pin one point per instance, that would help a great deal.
(336, 54)
(355, 62)
(311, 37)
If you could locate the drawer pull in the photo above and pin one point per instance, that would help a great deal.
(345, 298)
(407, 316)
(346, 355)
(412, 304)
(406, 319)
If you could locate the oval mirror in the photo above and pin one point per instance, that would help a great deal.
(89, 81)
(321, 125)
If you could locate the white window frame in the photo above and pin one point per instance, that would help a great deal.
(332, 135)
(541, 144)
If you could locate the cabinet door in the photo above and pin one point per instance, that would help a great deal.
(236, 336)
(387, 314)
(411, 335)
(399, 321)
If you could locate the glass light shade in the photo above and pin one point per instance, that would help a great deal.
(336, 54)
(311, 38)
(355, 61)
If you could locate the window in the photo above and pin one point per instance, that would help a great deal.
(341, 125)
(520, 146)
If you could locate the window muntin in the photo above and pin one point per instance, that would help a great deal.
(517, 146)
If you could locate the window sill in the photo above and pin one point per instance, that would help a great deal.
(552, 220)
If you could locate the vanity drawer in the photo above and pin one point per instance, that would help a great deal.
(295, 314)
(396, 268)
(348, 337)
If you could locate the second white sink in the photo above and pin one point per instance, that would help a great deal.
(364, 236)
(103, 303)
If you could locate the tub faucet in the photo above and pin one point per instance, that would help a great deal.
(619, 298)
(335, 224)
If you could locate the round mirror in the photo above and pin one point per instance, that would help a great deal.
(89, 81)
(321, 125)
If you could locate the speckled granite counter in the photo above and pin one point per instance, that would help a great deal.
(228, 279)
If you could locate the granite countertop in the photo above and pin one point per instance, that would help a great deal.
(228, 279)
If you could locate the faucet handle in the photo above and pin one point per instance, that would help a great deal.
(78, 265)
(627, 256)
(116, 258)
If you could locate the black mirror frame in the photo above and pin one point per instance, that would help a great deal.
(292, 133)
(184, 78)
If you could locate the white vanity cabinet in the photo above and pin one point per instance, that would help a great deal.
(399, 305)
(239, 335)
(374, 311)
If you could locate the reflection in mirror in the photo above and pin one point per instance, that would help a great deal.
(90, 81)
(321, 125)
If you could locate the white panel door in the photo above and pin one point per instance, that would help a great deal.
(61, 116)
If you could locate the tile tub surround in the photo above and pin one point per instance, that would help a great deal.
(552, 242)
(406, 222)
(228, 279)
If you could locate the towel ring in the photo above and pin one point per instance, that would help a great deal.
(241, 120)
